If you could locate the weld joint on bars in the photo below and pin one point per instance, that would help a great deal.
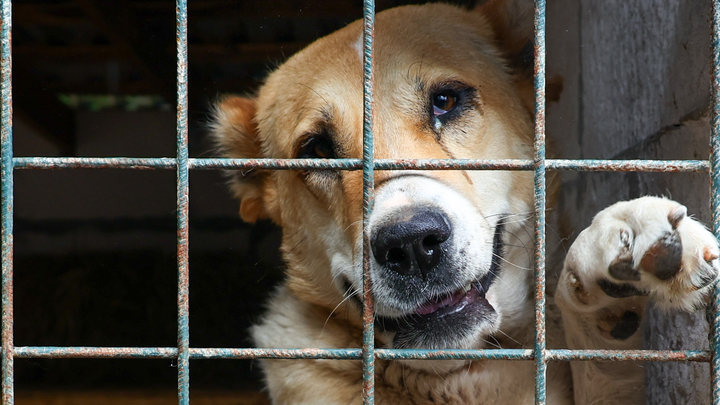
(357, 164)
(356, 354)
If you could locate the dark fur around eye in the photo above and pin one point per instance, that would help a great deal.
(316, 146)
(447, 101)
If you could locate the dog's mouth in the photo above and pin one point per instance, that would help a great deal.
(450, 319)
(445, 320)
(448, 304)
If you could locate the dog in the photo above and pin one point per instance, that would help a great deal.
(451, 252)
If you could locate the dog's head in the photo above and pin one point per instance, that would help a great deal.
(449, 83)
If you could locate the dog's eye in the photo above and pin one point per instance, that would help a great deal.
(444, 102)
(317, 147)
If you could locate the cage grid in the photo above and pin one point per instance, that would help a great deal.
(368, 353)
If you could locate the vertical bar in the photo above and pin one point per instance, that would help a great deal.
(368, 349)
(540, 193)
(715, 194)
(8, 349)
(182, 206)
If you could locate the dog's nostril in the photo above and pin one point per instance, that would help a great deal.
(432, 241)
(396, 255)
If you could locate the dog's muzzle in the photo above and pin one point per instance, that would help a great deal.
(423, 272)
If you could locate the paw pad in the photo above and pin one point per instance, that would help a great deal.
(626, 326)
(619, 290)
(664, 258)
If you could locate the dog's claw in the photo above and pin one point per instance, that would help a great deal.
(677, 215)
(710, 253)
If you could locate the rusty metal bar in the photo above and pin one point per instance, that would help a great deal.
(8, 392)
(540, 194)
(368, 166)
(52, 352)
(715, 196)
(183, 193)
(629, 355)
(356, 164)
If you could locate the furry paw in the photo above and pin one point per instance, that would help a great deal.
(644, 247)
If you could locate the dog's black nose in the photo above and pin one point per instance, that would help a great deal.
(412, 241)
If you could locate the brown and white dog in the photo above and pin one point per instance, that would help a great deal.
(451, 267)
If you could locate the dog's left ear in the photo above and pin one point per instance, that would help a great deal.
(512, 22)
(234, 130)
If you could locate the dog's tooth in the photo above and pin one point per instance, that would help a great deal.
(467, 287)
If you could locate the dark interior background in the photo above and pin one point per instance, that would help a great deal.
(95, 261)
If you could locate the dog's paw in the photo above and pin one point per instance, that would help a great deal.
(644, 247)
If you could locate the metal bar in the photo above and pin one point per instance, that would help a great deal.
(629, 355)
(8, 339)
(94, 163)
(356, 164)
(715, 195)
(540, 194)
(52, 352)
(368, 166)
(8, 377)
(182, 207)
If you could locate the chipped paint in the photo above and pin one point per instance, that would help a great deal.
(368, 167)
(715, 197)
(8, 393)
(183, 192)
(540, 202)
(667, 166)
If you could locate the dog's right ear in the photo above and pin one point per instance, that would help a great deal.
(235, 133)
(513, 24)
(512, 21)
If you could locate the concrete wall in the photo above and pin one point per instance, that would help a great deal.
(637, 85)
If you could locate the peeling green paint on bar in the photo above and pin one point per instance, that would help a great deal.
(368, 166)
(669, 166)
(715, 195)
(8, 390)
(540, 197)
(183, 193)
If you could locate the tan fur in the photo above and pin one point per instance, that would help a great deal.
(320, 88)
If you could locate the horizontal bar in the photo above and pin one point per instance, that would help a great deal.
(54, 352)
(356, 164)
(491, 354)
(355, 354)
(629, 355)
(93, 163)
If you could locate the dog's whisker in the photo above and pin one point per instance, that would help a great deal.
(352, 224)
(511, 263)
(347, 297)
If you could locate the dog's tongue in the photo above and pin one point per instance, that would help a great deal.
(437, 303)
